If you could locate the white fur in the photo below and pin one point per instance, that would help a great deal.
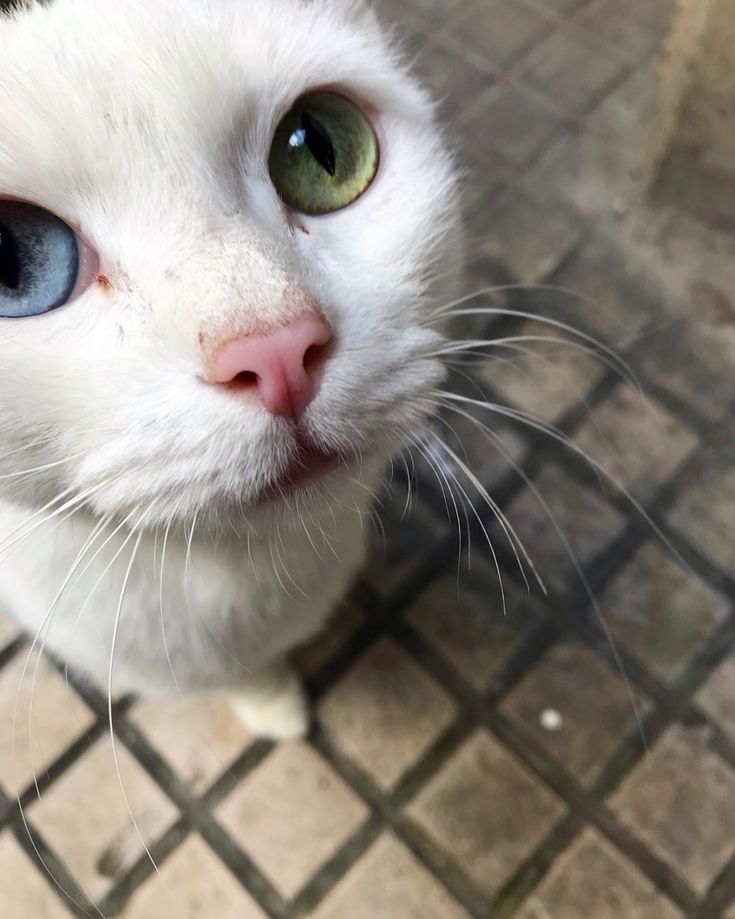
(146, 126)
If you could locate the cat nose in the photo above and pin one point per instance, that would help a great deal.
(282, 365)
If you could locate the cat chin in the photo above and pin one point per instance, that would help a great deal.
(308, 488)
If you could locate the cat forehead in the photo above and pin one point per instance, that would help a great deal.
(86, 84)
(127, 49)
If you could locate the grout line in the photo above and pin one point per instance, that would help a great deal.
(720, 894)
(53, 870)
(585, 806)
(61, 765)
(535, 868)
(135, 877)
(420, 845)
(201, 818)
(329, 875)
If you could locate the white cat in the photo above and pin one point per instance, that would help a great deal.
(213, 346)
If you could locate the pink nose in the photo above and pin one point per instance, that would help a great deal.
(281, 365)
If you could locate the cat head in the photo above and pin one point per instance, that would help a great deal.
(254, 214)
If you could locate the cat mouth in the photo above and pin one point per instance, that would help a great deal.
(309, 466)
(312, 465)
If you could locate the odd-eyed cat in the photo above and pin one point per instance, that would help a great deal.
(224, 226)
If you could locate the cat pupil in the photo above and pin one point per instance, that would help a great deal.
(9, 263)
(319, 143)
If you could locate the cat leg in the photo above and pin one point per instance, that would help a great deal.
(272, 703)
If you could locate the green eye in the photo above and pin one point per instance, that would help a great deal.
(324, 154)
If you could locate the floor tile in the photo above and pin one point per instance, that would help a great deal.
(695, 361)
(97, 820)
(660, 613)
(43, 717)
(467, 629)
(541, 371)
(570, 73)
(592, 880)
(635, 440)
(681, 802)
(457, 84)
(198, 735)
(385, 712)
(605, 295)
(555, 176)
(618, 31)
(705, 514)
(487, 181)
(717, 696)
(517, 125)
(530, 239)
(655, 15)
(561, 8)
(389, 882)
(192, 884)
(435, 13)
(486, 811)
(291, 814)
(409, 26)
(25, 893)
(587, 523)
(588, 726)
(498, 33)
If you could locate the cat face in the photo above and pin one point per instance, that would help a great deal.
(149, 130)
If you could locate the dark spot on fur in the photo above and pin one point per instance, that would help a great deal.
(103, 281)
(303, 229)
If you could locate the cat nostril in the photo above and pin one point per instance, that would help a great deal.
(246, 379)
(314, 357)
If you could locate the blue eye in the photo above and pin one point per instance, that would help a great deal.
(39, 260)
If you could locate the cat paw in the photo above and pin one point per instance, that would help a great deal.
(279, 713)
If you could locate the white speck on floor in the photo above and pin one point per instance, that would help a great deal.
(551, 720)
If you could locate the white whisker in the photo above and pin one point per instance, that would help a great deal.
(511, 535)
(35, 469)
(496, 562)
(110, 717)
(617, 361)
(74, 503)
(558, 436)
(512, 342)
(439, 472)
(44, 630)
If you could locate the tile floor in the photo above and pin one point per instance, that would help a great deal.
(568, 758)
